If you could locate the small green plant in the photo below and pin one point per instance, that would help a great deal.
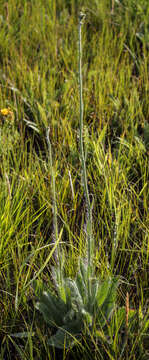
(78, 311)
(84, 304)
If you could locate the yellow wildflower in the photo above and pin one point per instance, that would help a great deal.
(6, 112)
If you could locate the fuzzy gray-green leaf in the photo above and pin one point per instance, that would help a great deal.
(68, 335)
(52, 308)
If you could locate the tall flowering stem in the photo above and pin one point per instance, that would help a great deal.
(82, 156)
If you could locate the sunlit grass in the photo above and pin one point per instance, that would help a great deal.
(39, 85)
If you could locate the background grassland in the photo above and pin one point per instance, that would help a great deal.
(39, 82)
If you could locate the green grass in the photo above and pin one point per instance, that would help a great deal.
(39, 82)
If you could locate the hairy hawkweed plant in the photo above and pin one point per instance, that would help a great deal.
(85, 302)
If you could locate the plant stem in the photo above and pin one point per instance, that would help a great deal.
(82, 156)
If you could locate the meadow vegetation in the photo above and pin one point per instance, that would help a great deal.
(39, 90)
